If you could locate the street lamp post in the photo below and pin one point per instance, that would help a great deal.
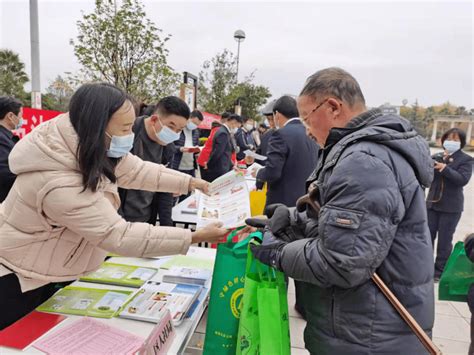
(239, 36)
(35, 59)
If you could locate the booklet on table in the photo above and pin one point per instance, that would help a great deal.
(120, 274)
(153, 299)
(84, 301)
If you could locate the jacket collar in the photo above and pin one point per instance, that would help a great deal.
(5, 131)
(356, 123)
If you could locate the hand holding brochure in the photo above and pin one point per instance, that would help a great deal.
(120, 274)
(84, 301)
(154, 298)
(228, 202)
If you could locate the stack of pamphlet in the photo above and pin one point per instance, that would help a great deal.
(84, 301)
(187, 275)
(153, 299)
(120, 274)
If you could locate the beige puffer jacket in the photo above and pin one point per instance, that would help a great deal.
(51, 231)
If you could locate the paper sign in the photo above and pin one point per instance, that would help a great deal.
(160, 339)
(87, 336)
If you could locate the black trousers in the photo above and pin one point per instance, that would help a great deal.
(205, 174)
(442, 225)
(15, 304)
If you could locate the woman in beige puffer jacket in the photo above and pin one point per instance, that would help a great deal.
(60, 219)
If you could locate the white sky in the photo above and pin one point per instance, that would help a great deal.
(396, 50)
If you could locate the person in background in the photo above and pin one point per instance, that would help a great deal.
(69, 169)
(369, 182)
(11, 118)
(268, 113)
(206, 150)
(146, 206)
(244, 138)
(184, 159)
(469, 247)
(220, 160)
(187, 147)
(445, 201)
(291, 156)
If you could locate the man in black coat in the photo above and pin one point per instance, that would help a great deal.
(154, 136)
(10, 119)
(369, 182)
(291, 156)
(220, 160)
(445, 201)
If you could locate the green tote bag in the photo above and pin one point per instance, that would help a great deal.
(264, 324)
(226, 296)
(457, 277)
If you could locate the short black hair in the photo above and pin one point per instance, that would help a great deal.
(197, 114)
(460, 133)
(235, 117)
(147, 110)
(246, 118)
(9, 104)
(286, 105)
(172, 105)
(225, 115)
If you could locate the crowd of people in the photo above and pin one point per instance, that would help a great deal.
(345, 199)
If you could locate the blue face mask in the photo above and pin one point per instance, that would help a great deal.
(451, 146)
(191, 125)
(120, 145)
(167, 135)
(20, 123)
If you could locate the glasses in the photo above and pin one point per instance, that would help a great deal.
(314, 110)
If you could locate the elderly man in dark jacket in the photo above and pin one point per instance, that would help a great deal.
(369, 180)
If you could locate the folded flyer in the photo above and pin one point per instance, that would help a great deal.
(84, 301)
(120, 274)
(228, 202)
(154, 298)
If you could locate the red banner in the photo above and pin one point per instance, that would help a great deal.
(33, 117)
(208, 119)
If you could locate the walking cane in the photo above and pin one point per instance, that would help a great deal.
(407, 317)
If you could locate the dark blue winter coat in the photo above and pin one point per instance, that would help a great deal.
(370, 177)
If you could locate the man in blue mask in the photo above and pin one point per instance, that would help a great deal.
(184, 159)
(155, 131)
(10, 119)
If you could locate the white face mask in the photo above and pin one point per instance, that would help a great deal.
(451, 146)
(248, 127)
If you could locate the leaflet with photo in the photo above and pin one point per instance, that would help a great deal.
(228, 202)
(120, 274)
(84, 301)
(154, 298)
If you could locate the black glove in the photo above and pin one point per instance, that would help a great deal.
(269, 252)
(279, 222)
